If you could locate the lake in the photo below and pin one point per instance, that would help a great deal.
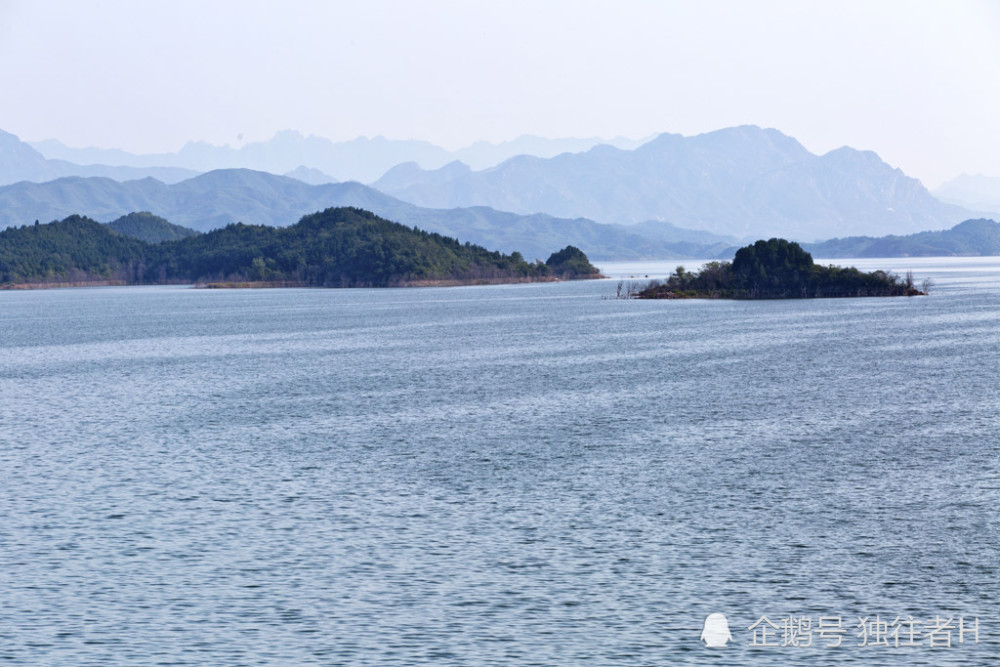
(500, 475)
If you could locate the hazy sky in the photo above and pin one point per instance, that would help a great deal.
(917, 82)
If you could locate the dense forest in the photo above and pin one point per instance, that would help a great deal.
(149, 228)
(338, 247)
(776, 269)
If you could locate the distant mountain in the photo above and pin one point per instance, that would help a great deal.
(310, 176)
(976, 192)
(410, 174)
(150, 228)
(222, 197)
(969, 238)
(360, 159)
(338, 247)
(484, 154)
(20, 162)
(742, 181)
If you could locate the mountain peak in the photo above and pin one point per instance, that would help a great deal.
(407, 174)
(847, 157)
(8, 138)
(740, 181)
(310, 175)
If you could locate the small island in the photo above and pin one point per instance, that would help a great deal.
(338, 247)
(777, 269)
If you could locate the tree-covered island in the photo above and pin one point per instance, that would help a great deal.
(776, 269)
(338, 247)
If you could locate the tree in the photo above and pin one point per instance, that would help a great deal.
(571, 262)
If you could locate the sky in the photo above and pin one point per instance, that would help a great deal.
(917, 82)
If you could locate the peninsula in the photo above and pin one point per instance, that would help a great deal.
(776, 269)
(338, 247)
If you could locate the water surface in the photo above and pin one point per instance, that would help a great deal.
(531, 474)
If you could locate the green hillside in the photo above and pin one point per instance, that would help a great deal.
(776, 269)
(338, 247)
(76, 249)
(149, 228)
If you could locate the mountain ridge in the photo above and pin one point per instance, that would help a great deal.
(221, 197)
(738, 183)
(363, 159)
(20, 162)
(969, 238)
(744, 181)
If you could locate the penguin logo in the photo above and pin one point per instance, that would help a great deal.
(716, 631)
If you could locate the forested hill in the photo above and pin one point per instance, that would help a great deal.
(150, 228)
(777, 269)
(76, 249)
(338, 247)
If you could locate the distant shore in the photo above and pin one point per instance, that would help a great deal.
(269, 284)
(279, 284)
(62, 284)
(336, 247)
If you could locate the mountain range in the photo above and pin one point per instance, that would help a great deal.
(669, 196)
(743, 181)
(221, 197)
(20, 162)
(362, 159)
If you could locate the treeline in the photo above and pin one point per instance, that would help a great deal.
(149, 228)
(777, 269)
(75, 249)
(338, 247)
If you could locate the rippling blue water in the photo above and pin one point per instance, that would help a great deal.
(493, 475)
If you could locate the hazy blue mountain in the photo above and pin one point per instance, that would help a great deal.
(664, 231)
(742, 181)
(976, 192)
(409, 174)
(362, 159)
(310, 176)
(686, 242)
(969, 238)
(20, 162)
(53, 149)
(484, 154)
(220, 197)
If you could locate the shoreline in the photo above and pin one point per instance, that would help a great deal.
(64, 284)
(653, 295)
(284, 284)
(666, 296)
